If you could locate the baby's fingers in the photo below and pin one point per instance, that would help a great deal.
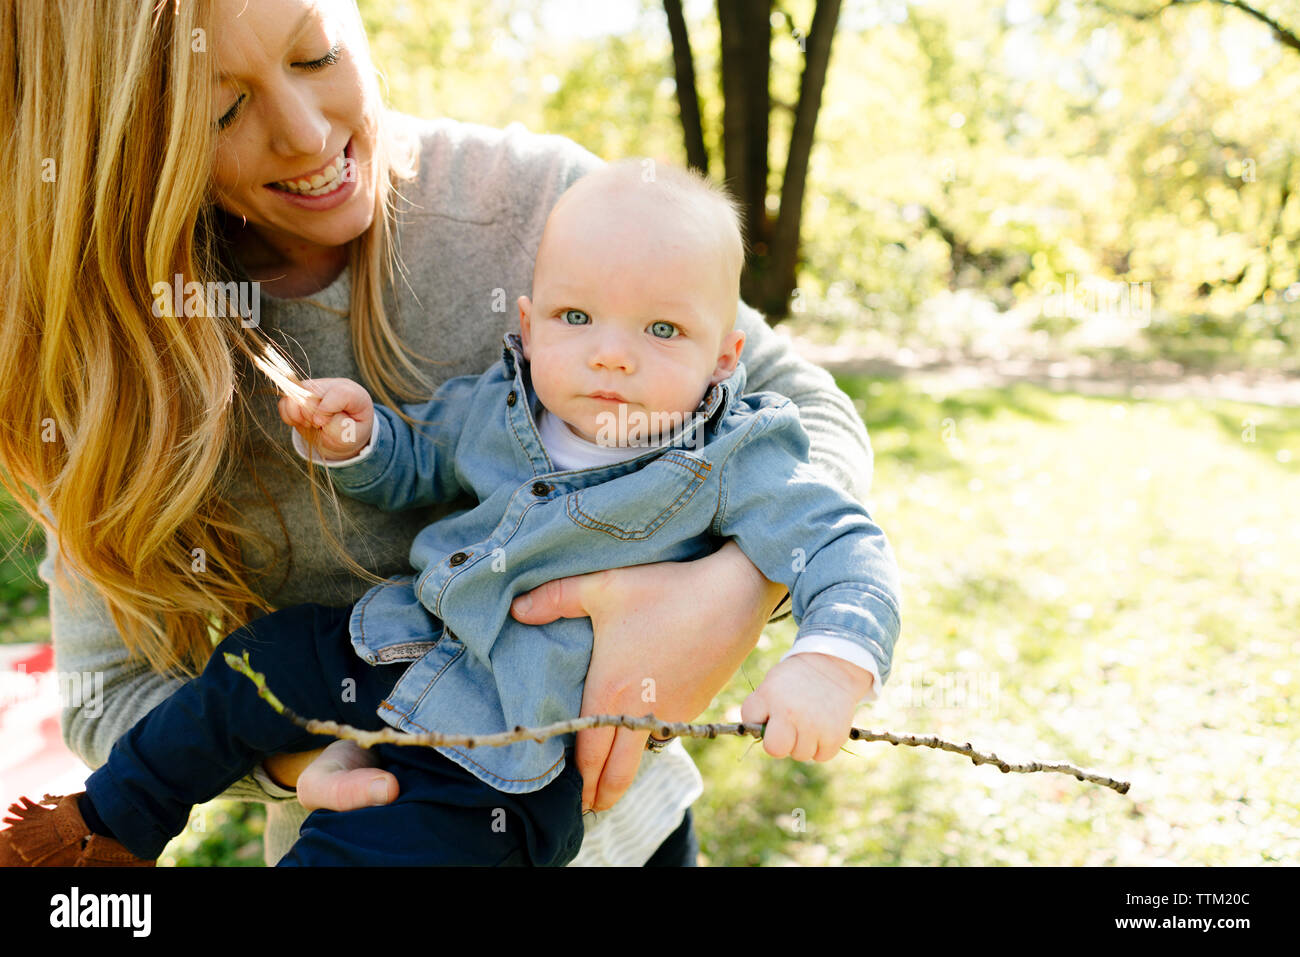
(340, 399)
(292, 413)
(779, 737)
(805, 745)
(828, 747)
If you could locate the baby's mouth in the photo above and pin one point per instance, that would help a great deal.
(324, 180)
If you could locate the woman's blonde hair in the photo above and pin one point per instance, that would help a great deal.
(126, 428)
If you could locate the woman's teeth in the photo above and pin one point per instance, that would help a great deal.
(326, 181)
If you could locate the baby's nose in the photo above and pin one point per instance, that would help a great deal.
(612, 355)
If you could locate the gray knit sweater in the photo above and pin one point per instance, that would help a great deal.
(467, 238)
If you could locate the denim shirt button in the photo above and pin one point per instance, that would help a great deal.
(540, 488)
(457, 559)
(510, 399)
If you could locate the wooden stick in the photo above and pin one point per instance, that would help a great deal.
(663, 729)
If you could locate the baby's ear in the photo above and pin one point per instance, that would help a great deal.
(525, 322)
(733, 343)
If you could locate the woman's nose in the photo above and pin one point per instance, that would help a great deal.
(298, 127)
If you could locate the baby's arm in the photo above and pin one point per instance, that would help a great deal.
(373, 454)
(801, 530)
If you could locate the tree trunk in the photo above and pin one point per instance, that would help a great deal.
(778, 279)
(687, 99)
(746, 65)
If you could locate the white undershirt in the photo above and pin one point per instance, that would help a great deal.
(568, 450)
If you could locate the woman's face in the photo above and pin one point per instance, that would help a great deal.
(296, 117)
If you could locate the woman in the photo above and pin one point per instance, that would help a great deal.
(182, 144)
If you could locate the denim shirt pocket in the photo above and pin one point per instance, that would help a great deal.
(635, 506)
(390, 625)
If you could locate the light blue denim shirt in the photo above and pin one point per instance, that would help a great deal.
(739, 469)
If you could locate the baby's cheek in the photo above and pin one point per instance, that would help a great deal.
(544, 386)
(686, 397)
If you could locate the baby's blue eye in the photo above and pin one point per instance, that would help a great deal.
(568, 315)
(662, 327)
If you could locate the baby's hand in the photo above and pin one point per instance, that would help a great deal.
(808, 702)
(339, 417)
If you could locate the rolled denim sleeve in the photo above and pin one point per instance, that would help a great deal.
(408, 467)
(800, 529)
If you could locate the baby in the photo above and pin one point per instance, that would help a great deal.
(614, 431)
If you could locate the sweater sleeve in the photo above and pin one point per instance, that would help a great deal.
(86, 641)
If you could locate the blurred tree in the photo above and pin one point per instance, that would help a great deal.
(1284, 36)
(746, 74)
(968, 153)
(1213, 170)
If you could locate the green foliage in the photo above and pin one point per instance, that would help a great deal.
(220, 834)
(1006, 148)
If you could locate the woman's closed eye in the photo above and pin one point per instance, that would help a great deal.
(229, 116)
(329, 59)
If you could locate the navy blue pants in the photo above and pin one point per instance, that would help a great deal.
(215, 730)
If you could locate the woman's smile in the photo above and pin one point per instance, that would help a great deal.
(323, 188)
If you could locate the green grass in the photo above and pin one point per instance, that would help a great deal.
(1117, 584)
(219, 834)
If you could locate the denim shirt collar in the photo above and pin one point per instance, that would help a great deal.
(716, 404)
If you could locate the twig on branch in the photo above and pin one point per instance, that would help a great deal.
(664, 729)
(1284, 36)
(916, 741)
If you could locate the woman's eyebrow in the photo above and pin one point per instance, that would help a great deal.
(313, 9)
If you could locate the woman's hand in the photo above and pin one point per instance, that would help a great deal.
(668, 638)
(341, 777)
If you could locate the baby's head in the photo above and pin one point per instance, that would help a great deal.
(635, 292)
